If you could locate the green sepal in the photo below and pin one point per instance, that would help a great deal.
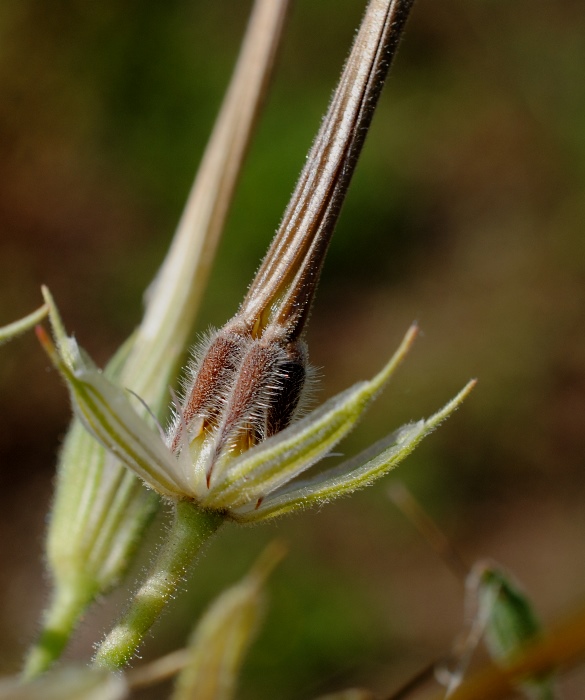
(354, 474)
(274, 462)
(107, 413)
(12, 330)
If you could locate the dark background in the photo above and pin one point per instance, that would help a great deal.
(466, 213)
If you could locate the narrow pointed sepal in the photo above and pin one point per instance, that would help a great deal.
(224, 634)
(354, 474)
(12, 330)
(106, 412)
(277, 460)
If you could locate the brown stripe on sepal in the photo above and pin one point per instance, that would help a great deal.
(267, 387)
(212, 377)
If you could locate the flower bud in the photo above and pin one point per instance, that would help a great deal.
(100, 509)
(223, 635)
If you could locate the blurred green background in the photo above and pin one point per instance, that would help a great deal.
(466, 214)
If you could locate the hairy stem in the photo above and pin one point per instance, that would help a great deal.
(190, 530)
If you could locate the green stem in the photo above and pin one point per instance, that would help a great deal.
(60, 619)
(191, 529)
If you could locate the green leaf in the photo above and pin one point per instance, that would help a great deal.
(509, 619)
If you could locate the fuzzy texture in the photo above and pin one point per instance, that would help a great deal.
(240, 391)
